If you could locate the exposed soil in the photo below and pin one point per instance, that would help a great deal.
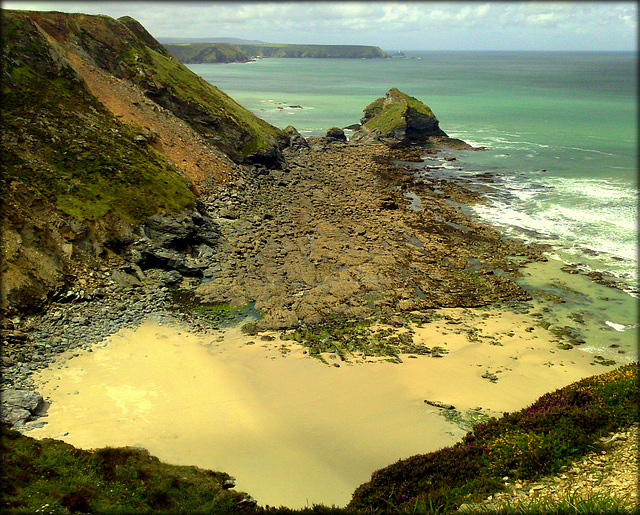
(202, 163)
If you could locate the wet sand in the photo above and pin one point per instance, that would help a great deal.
(292, 430)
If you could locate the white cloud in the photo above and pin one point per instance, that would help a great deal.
(419, 24)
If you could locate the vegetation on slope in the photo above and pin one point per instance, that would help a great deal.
(50, 476)
(397, 110)
(314, 51)
(125, 49)
(207, 53)
(61, 142)
(559, 427)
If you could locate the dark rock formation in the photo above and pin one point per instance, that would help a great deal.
(296, 141)
(399, 120)
(336, 134)
(184, 243)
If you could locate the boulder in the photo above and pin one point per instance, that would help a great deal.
(398, 120)
(335, 134)
(18, 406)
(296, 141)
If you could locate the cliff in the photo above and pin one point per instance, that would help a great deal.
(220, 52)
(102, 129)
(207, 53)
(400, 120)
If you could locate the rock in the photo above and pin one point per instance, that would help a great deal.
(491, 377)
(398, 120)
(26, 399)
(168, 231)
(439, 404)
(124, 280)
(296, 141)
(13, 415)
(335, 134)
(18, 406)
(228, 483)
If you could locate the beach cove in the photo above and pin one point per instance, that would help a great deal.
(144, 369)
(292, 430)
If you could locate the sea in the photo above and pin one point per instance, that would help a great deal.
(560, 166)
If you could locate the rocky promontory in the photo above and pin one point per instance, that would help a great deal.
(399, 120)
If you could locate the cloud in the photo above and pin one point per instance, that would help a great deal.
(399, 24)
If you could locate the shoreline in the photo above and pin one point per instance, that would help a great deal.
(494, 341)
(218, 401)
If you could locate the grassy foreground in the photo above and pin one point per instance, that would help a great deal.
(556, 429)
(49, 476)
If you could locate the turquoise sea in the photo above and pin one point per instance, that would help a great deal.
(560, 130)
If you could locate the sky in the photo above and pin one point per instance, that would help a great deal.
(413, 25)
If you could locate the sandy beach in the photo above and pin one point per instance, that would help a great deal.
(293, 430)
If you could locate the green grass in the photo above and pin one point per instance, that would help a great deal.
(63, 143)
(50, 476)
(240, 130)
(538, 440)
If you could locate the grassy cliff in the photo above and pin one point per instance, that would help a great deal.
(397, 111)
(99, 124)
(207, 53)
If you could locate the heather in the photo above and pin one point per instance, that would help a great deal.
(537, 440)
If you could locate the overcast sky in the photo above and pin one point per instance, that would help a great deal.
(389, 25)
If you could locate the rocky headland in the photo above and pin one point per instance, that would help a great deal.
(207, 52)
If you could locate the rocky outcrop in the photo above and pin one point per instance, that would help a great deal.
(185, 243)
(336, 134)
(399, 120)
(296, 141)
(19, 406)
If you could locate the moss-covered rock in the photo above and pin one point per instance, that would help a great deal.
(399, 120)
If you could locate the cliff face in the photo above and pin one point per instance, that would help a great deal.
(102, 128)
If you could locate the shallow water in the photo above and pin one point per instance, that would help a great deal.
(292, 430)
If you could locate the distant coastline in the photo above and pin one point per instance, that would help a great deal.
(219, 52)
